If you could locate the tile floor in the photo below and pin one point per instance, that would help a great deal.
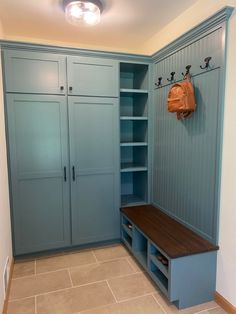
(100, 281)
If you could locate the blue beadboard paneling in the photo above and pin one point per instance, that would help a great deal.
(186, 153)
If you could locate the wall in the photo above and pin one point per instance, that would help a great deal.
(5, 229)
(226, 270)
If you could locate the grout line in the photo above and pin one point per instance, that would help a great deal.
(111, 291)
(35, 305)
(95, 256)
(159, 303)
(44, 273)
(135, 271)
(134, 298)
(18, 299)
(71, 282)
(210, 308)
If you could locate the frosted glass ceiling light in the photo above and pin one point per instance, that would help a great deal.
(83, 11)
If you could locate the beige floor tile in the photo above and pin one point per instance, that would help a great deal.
(25, 306)
(23, 268)
(80, 258)
(75, 299)
(136, 266)
(217, 310)
(33, 285)
(109, 253)
(141, 305)
(50, 264)
(64, 261)
(100, 271)
(171, 308)
(131, 286)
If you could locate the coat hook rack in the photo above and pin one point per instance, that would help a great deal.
(159, 82)
(172, 77)
(187, 70)
(207, 63)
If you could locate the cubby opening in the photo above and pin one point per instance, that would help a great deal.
(133, 76)
(127, 225)
(158, 276)
(159, 259)
(133, 158)
(133, 105)
(127, 238)
(140, 247)
(133, 131)
(133, 188)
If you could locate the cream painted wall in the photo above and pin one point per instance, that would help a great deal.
(5, 226)
(197, 13)
(226, 269)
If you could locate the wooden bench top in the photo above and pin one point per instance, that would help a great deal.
(173, 238)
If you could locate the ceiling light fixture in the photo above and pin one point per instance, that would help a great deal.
(83, 11)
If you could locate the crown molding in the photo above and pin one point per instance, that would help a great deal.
(212, 22)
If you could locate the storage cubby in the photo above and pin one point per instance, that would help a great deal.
(133, 188)
(133, 158)
(133, 131)
(140, 246)
(159, 277)
(127, 226)
(134, 99)
(159, 259)
(133, 105)
(133, 76)
(127, 238)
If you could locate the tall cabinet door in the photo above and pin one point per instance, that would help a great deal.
(38, 149)
(94, 157)
(88, 76)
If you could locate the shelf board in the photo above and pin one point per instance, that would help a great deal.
(131, 167)
(159, 265)
(133, 144)
(131, 200)
(133, 91)
(134, 118)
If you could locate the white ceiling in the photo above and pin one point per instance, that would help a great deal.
(125, 24)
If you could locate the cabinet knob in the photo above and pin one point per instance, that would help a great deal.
(70, 88)
(61, 87)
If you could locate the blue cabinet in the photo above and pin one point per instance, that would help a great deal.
(38, 146)
(92, 76)
(94, 154)
(32, 72)
(64, 165)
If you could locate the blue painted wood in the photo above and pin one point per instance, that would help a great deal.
(185, 162)
(186, 281)
(193, 279)
(38, 151)
(92, 76)
(33, 72)
(94, 144)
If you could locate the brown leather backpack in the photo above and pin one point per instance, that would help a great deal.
(181, 99)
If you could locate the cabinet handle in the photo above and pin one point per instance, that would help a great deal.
(73, 173)
(65, 176)
(70, 88)
(61, 88)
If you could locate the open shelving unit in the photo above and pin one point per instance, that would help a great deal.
(134, 98)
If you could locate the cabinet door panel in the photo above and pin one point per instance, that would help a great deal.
(37, 129)
(92, 77)
(94, 154)
(32, 72)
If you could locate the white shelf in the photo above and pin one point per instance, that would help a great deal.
(133, 144)
(133, 91)
(133, 118)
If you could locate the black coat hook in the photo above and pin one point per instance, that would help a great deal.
(172, 77)
(159, 82)
(207, 63)
(187, 70)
